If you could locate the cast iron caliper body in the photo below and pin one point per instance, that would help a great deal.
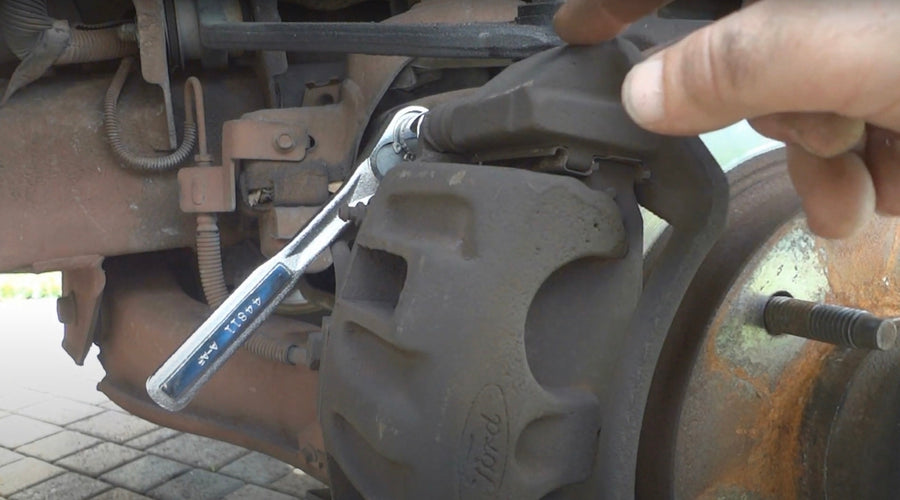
(430, 359)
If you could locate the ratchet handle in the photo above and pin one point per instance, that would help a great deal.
(176, 382)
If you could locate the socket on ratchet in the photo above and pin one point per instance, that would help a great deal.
(177, 381)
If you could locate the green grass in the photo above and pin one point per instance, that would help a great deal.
(30, 286)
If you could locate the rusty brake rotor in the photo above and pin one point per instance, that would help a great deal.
(738, 413)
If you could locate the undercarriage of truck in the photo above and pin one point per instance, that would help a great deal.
(418, 249)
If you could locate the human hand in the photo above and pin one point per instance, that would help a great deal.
(822, 76)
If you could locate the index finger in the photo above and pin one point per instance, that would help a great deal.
(584, 22)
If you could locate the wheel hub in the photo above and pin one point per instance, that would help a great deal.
(738, 413)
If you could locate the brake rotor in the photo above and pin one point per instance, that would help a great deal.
(738, 413)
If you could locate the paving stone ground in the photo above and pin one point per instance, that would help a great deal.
(61, 439)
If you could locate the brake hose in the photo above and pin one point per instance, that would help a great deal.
(209, 253)
(114, 133)
(212, 280)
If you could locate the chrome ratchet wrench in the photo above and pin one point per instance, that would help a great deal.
(177, 381)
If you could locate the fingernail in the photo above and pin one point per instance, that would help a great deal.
(642, 92)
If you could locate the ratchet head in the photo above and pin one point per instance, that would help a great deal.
(397, 143)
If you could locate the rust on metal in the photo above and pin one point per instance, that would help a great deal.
(343, 123)
(760, 384)
(278, 225)
(738, 421)
(151, 26)
(83, 281)
(750, 394)
(244, 403)
(863, 271)
(772, 466)
(211, 189)
(322, 95)
(62, 192)
(68, 197)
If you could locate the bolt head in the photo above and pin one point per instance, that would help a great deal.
(66, 311)
(284, 142)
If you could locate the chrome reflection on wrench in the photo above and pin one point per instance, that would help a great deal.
(176, 382)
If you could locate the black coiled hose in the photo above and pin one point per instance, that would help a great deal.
(114, 134)
(23, 22)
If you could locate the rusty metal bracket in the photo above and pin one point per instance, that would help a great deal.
(151, 26)
(78, 308)
(212, 189)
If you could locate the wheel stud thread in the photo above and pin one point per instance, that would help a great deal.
(838, 325)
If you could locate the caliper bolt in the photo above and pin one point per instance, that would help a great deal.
(284, 142)
(838, 325)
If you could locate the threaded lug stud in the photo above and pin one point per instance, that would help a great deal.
(838, 325)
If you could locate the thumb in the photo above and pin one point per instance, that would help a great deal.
(763, 59)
